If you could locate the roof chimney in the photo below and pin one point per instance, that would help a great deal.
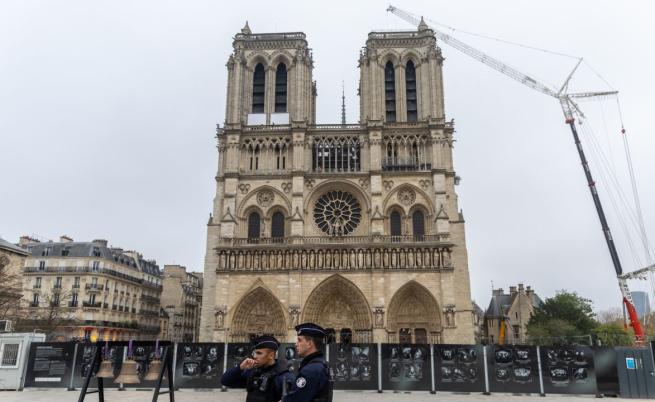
(520, 288)
(498, 292)
(27, 240)
(65, 239)
(512, 290)
(100, 242)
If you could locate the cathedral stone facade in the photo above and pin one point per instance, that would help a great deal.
(352, 226)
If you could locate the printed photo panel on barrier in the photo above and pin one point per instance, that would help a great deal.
(199, 365)
(50, 364)
(144, 354)
(84, 359)
(406, 367)
(513, 368)
(568, 370)
(459, 368)
(354, 366)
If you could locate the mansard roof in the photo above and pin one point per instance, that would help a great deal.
(5, 245)
(89, 249)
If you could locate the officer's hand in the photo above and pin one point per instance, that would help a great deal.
(247, 364)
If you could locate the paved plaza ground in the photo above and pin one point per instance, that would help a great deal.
(239, 396)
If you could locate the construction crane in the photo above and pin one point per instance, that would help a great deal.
(570, 109)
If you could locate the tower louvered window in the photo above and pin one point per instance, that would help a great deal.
(395, 224)
(277, 225)
(410, 84)
(418, 224)
(258, 89)
(281, 89)
(390, 92)
(253, 227)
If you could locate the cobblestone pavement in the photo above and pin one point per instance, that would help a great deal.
(239, 396)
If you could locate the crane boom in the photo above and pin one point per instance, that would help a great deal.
(570, 108)
(478, 55)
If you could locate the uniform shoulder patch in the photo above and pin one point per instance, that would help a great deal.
(301, 382)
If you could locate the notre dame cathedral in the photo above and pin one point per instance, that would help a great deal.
(354, 227)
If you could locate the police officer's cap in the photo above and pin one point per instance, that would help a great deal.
(265, 341)
(310, 329)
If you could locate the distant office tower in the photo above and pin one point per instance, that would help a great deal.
(642, 304)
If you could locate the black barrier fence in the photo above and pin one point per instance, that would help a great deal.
(358, 366)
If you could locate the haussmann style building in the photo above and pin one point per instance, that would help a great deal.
(353, 226)
(92, 290)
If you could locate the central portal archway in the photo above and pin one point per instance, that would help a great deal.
(336, 303)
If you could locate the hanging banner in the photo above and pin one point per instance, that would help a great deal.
(199, 365)
(459, 368)
(50, 364)
(568, 370)
(406, 367)
(354, 366)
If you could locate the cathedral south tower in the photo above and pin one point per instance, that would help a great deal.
(355, 227)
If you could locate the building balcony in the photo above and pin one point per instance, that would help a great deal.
(149, 313)
(91, 287)
(72, 304)
(36, 287)
(76, 286)
(34, 304)
(152, 285)
(100, 271)
(149, 329)
(150, 299)
(86, 304)
(56, 288)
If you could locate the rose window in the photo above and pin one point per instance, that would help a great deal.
(337, 213)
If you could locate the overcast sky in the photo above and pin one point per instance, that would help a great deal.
(108, 112)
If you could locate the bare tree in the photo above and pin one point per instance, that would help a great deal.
(53, 312)
(611, 315)
(10, 290)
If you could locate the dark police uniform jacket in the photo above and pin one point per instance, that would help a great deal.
(265, 384)
(313, 382)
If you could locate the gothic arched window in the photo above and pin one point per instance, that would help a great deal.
(418, 224)
(281, 88)
(253, 227)
(395, 224)
(390, 91)
(277, 225)
(258, 89)
(410, 85)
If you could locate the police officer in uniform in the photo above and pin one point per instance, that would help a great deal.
(313, 381)
(264, 378)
